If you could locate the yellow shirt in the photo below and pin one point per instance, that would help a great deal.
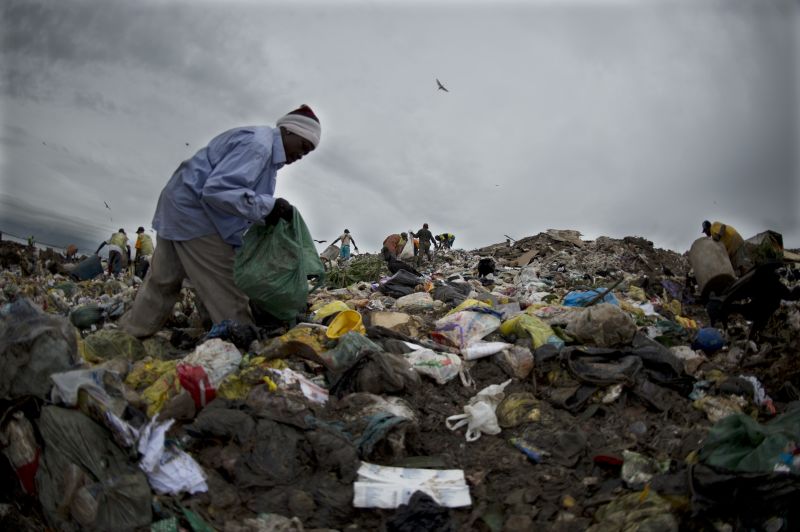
(726, 234)
(119, 240)
(144, 245)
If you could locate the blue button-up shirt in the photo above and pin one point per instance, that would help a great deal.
(223, 188)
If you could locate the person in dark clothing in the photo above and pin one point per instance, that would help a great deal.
(426, 239)
(119, 252)
(395, 265)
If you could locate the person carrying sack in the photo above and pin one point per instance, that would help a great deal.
(203, 211)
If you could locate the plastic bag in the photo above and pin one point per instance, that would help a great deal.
(107, 344)
(740, 443)
(464, 328)
(416, 302)
(441, 367)
(400, 284)
(33, 345)
(603, 325)
(112, 493)
(517, 361)
(203, 371)
(518, 408)
(479, 414)
(274, 264)
(408, 250)
(165, 387)
(525, 325)
(580, 298)
(347, 351)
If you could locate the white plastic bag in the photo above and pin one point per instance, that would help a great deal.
(66, 384)
(201, 372)
(441, 367)
(408, 249)
(479, 414)
(465, 327)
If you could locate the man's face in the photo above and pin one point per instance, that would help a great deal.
(295, 146)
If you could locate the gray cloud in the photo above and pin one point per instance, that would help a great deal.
(610, 118)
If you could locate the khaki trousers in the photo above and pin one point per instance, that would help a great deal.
(208, 263)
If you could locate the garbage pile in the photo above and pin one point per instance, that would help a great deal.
(552, 383)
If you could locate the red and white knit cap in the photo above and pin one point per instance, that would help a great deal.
(302, 121)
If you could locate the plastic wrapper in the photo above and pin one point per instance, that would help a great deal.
(389, 487)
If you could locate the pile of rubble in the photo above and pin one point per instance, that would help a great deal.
(570, 385)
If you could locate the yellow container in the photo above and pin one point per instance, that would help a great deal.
(329, 309)
(345, 322)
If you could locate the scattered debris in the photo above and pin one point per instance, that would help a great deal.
(602, 385)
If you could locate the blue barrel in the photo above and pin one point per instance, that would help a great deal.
(88, 268)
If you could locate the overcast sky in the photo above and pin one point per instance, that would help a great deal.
(613, 118)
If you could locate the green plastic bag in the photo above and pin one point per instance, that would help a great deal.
(274, 264)
(740, 443)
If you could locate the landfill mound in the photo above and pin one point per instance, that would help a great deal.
(542, 383)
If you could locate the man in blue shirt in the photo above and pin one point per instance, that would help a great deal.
(211, 199)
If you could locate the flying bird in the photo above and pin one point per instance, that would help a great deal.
(187, 143)
(441, 87)
(320, 241)
(106, 204)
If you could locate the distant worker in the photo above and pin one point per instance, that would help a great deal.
(446, 240)
(732, 240)
(395, 243)
(31, 241)
(71, 252)
(426, 239)
(211, 199)
(118, 252)
(144, 252)
(345, 238)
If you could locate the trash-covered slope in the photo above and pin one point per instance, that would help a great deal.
(576, 386)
